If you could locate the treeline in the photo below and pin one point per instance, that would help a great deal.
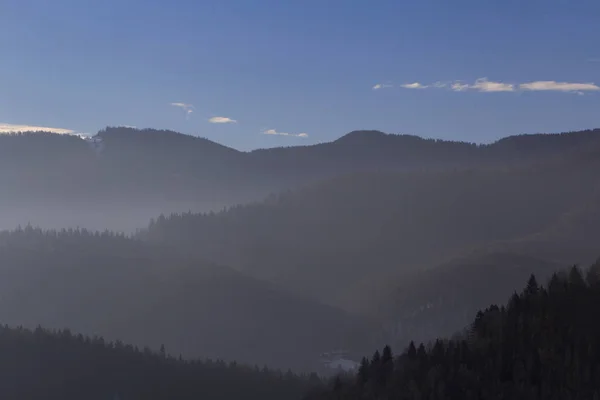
(544, 344)
(40, 364)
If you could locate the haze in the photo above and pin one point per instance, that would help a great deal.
(267, 200)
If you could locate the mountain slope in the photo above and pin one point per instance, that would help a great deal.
(119, 181)
(338, 240)
(123, 289)
(440, 299)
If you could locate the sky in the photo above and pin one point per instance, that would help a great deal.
(263, 73)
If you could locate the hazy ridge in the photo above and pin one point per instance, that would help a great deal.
(370, 238)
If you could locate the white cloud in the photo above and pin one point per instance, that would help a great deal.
(487, 86)
(415, 85)
(382, 86)
(222, 120)
(483, 85)
(11, 128)
(187, 108)
(558, 86)
(274, 132)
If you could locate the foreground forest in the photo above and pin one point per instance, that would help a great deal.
(544, 344)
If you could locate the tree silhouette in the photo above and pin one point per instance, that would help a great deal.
(543, 345)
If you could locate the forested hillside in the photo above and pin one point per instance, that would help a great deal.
(413, 244)
(60, 365)
(121, 288)
(126, 176)
(544, 344)
(340, 240)
(440, 300)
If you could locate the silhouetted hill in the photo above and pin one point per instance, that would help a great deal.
(61, 365)
(375, 150)
(49, 179)
(119, 180)
(540, 144)
(544, 344)
(363, 151)
(366, 138)
(120, 288)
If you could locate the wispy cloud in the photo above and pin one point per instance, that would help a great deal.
(187, 108)
(487, 86)
(274, 132)
(414, 85)
(483, 85)
(559, 86)
(12, 128)
(459, 87)
(221, 120)
(382, 86)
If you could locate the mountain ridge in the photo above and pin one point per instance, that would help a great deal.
(358, 135)
(50, 178)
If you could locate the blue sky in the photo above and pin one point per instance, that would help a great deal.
(302, 67)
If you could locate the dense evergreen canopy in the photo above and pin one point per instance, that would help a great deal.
(544, 344)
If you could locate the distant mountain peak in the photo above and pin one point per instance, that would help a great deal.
(160, 137)
(362, 136)
(378, 139)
